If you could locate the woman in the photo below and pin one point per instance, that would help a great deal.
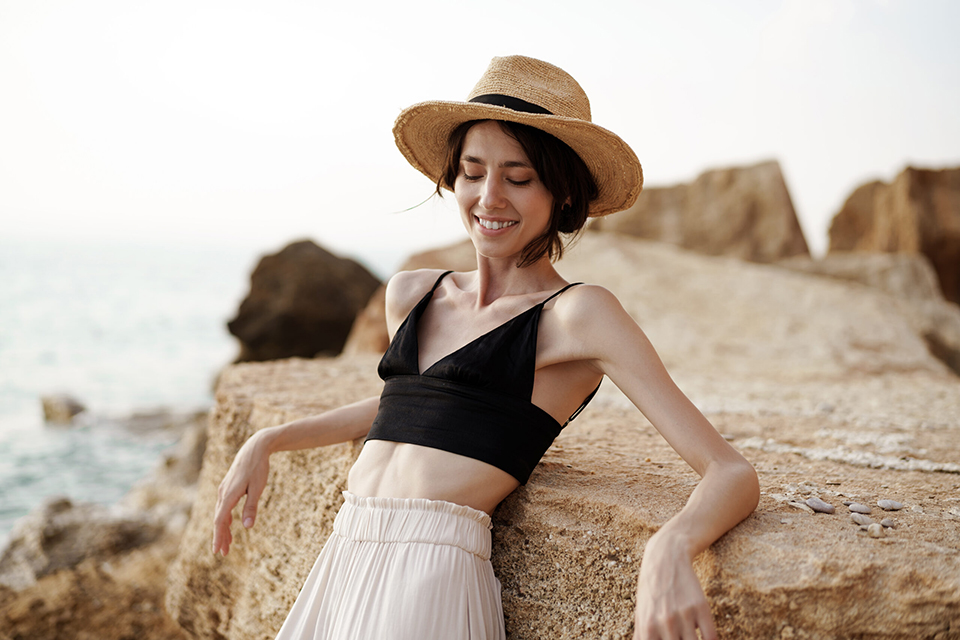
(483, 370)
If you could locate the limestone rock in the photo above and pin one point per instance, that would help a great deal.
(919, 212)
(369, 332)
(744, 212)
(60, 408)
(302, 302)
(759, 350)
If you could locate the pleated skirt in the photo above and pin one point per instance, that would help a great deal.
(404, 569)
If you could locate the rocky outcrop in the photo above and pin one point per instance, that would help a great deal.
(82, 570)
(822, 384)
(60, 408)
(919, 212)
(302, 302)
(743, 212)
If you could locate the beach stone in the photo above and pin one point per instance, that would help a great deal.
(889, 505)
(819, 505)
(743, 212)
(859, 508)
(888, 523)
(860, 519)
(302, 302)
(60, 408)
(875, 531)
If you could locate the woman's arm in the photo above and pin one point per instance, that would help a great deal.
(247, 475)
(670, 601)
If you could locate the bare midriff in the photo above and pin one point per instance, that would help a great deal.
(400, 470)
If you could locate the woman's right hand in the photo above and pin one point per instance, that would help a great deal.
(247, 476)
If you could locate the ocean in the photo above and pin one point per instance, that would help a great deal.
(122, 328)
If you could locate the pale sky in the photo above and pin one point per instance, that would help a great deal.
(253, 124)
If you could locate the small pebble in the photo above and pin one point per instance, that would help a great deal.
(875, 531)
(856, 507)
(819, 505)
(860, 519)
(888, 523)
(889, 505)
(847, 503)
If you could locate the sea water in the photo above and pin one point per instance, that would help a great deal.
(122, 328)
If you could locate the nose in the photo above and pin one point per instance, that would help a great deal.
(491, 194)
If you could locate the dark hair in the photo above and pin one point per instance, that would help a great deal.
(560, 170)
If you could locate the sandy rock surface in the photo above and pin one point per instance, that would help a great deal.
(919, 212)
(745, 212)
(825, 387)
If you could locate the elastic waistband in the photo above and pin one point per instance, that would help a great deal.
(414, 520)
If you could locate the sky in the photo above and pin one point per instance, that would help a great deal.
(252, 124)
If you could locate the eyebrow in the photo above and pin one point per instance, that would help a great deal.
(507, 164)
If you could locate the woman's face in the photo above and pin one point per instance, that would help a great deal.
(503, 204)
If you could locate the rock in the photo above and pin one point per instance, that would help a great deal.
(369, 332)
(888, 523)
(860, 519)
(859, 508)
(60, 408)
(302, 302)
(820, 506)
(757, 348)
(875, 531)
(902, 275)
(94, 571)
(744, 212)
(919, 212)
(61, 534)
(913, 284)
(889, 505)
(800, 505)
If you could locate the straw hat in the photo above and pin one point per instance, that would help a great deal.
(535, 93)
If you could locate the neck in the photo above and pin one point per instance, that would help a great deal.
(498, 277)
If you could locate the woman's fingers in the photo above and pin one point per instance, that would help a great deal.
(254, 490)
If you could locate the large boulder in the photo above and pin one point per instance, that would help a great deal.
(919, 212)
(744, 212)
(822, 384)
(302, 302)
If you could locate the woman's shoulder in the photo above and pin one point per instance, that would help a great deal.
(405, 289)
(587, 302)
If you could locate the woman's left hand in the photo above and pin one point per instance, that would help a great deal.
(671, 604)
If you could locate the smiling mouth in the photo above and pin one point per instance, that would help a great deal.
(493, 224)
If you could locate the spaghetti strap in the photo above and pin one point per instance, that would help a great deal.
(442, 276)
(572, 284)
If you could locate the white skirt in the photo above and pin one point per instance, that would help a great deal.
(402, 569)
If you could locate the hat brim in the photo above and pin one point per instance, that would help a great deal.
(422, 131)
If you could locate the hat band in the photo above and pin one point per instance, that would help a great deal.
(516, 104)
